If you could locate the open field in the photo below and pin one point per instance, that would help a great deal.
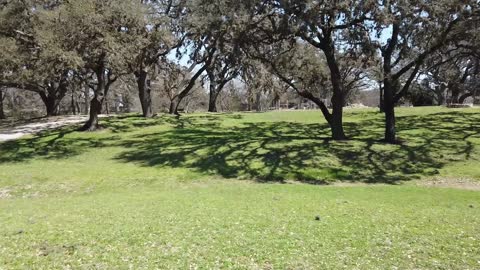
(243, 191)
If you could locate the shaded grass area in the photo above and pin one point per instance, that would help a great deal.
(165, 193)
(272, 147)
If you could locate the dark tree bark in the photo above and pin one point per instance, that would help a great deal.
(215, 90)
(73, 106)
(464, 97)
(86, 100)
(187, 89)
(51, 103)
(212, 102)
(97, 101)
(173, 105)
(103, 84)
(389, 110)
(144, 92)
(2, 112)
(338, 98)
(454, 99)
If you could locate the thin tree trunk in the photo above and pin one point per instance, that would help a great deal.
(464, 97)
(72, 105)
(188, 88)
(86, 107)
(77, 106)
(2, 112)
(382, 99)
(144, 92)
(107, 106)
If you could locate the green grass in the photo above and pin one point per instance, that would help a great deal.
(241, 191)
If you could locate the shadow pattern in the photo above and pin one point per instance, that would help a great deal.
(275, 151)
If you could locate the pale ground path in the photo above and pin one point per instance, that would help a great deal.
(15, 131)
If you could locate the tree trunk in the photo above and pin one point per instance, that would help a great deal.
(86, 100)
(338, 98)
(107, 105)
(390, 132)
(95, 108)
(440, 95)
(212, 103)
(2, 113)
(144, 93)
(173, 105)
(382, 100)
(464, 97)
(215, 91)
(336, 123)
(389, 109)
(455, 95)
(72, 105)
(97, 101)
(51, 104)
(258, 105)
(77, 106)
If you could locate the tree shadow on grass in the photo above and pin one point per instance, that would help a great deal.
(271, 151)
(57, 144)
(51, 145)
(291, 151)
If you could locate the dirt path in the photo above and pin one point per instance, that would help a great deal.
(449, 182)
(12, 132)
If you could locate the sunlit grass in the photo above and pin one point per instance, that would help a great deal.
(239, 191)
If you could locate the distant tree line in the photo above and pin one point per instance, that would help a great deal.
(227, 54)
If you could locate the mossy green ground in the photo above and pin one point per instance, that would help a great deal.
(242, 191)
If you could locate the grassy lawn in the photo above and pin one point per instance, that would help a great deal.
(242, 191)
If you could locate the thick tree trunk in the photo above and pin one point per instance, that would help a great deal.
(258, 105)
(95, 109)
(173, 105)
(51, 104)
(389, 109)
(455, 95)
(212, 102)
(390, 132)
(249, 104)
(144, 93)
(2, 112)
(97, 101)
(338, 98)
(336, 123)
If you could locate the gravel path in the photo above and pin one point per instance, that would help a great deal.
(16, 131)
